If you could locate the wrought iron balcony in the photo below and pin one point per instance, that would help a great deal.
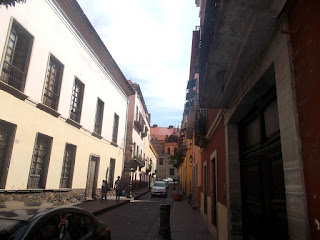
(191, 122)
(139, 123)
(138, 158)
(201, 127)
(206, 36)
(12, 75)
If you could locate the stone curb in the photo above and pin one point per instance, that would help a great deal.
(103, 210)
(141, 194)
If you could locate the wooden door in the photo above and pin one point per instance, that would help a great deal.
(262, 178)
(92, 177)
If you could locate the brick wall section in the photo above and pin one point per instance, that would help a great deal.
(304, 18)
(216, 142)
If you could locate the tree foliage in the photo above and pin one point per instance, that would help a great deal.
(10, 3)
(176, 160)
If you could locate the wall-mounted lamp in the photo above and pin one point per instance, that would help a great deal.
(190, 158)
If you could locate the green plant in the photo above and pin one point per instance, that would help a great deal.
(11, 2)
(176, 160)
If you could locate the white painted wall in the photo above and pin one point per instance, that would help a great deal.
(52, 35)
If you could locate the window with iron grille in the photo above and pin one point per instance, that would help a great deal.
(52, 83)
(68, 166)
(115, 128)
(99, 117)
(76, 100)
(171, 171)
(7, 133)
(16, 56)
(40, 162)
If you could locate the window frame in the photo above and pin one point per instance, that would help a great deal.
(43, 178)
(14, 23)
(81, 93)
(72, 163)
(99, 117)
(161, 161)
(115, 130)
(7, 158)
(57, 80)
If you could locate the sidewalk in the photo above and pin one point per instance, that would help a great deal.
(97, 207)
(187, 223)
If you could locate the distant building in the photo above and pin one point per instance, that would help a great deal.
(165, 141)
(63, 101)
(141, 156)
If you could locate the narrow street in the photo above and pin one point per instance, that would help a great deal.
(137, 220)
(140, 219)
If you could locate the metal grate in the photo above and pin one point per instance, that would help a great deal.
(76, 101)
(40, 160)
(115, 128)
(52, 84)
(207, 35)
(99, 117)
(201, 127)
(67, 166)
(16, 57)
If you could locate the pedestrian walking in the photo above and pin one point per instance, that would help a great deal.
(118, 186)
(104, 190)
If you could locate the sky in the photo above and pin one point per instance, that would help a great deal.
(151, 42)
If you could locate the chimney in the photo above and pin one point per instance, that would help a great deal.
(170, 127)
(155, 125)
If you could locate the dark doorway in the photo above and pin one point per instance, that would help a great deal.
(92, 177)
(213, 193)
(262, 178)
(111, 174)
(205, 190)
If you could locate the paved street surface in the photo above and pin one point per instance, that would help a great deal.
(136, 218)
(187, 223)
(140, 219)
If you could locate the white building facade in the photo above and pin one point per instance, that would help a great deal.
(63, 101)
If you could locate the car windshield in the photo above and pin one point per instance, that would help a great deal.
(9, 227)
(159, 184)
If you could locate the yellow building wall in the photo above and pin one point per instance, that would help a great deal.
(186, 172)
(30, 121)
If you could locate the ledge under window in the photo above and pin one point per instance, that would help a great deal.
(73, 123)
(114, 144)
(35, 190)
(48, 109)
(13, 91)
(97, 135)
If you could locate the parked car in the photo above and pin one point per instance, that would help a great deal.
(166, 182)
(159, 188)
(53, 223)
(169, 179)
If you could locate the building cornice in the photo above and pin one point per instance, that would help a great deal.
(78, 24)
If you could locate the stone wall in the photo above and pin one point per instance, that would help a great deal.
(53, 196)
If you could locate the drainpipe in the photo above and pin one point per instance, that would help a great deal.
(125, 139)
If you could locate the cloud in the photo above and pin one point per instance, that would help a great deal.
(151, 42)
